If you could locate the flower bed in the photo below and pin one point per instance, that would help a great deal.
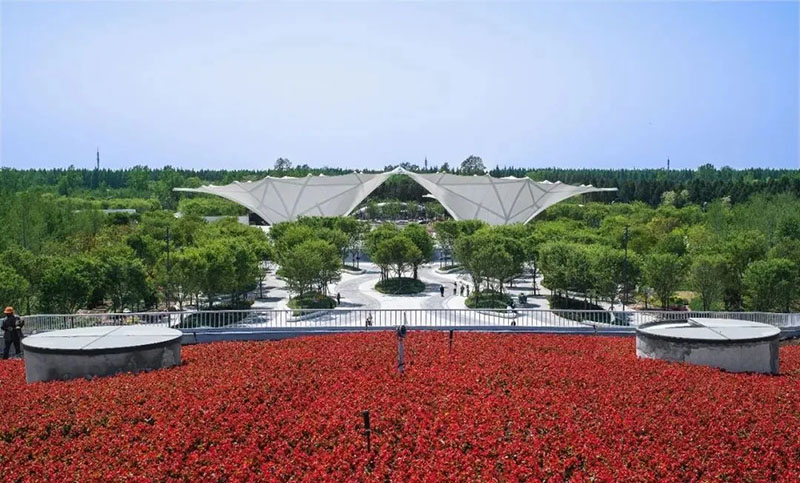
(499, 407)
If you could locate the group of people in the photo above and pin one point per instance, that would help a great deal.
(464, 289)
(12, 331)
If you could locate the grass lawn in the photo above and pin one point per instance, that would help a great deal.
(488, 300)
(400, 286)
(313, 300)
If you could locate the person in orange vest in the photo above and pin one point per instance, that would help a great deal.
(12, 331)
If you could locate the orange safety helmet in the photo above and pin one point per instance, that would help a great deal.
(9, 310)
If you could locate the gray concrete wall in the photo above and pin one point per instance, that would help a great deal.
(759, 356)
(47, 366)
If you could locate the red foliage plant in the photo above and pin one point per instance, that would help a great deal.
(499, 407)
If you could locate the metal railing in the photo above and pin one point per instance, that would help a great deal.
(385, 318)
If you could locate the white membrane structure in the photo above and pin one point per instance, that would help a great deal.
(497, 201)
(287, 199)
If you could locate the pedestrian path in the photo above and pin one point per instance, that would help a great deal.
(358, 293)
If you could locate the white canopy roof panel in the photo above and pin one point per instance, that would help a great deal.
(497, 201)
(286, 199)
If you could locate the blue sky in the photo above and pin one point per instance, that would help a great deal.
(218, 85)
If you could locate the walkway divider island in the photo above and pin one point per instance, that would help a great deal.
(213, 325)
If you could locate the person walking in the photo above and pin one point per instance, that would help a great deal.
(441, 290)
(462, 290)
(12, 331)
(338, 298)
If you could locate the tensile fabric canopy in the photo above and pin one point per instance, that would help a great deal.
(497, 201)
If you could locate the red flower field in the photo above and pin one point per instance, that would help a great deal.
(500, 407)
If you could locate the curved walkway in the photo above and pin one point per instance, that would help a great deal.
(358, 293)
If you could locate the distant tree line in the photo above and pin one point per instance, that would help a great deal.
(702, 185)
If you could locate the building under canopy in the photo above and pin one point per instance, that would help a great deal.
(497, 201)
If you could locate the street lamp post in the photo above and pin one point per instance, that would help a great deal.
(168, 271)
(625, 270)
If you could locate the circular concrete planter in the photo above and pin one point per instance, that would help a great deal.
(729, 344)
(100, 351)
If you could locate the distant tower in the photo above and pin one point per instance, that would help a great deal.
(96, 174)
(667, 164)
(426, 163)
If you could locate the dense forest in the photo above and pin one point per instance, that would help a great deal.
(702, 185)
(710, 238)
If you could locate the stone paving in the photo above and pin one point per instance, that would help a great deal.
(358, 293)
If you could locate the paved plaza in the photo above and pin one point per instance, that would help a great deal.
(358, 291)
(358, 294)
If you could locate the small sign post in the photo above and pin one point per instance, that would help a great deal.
(367, 430)
(401, 337)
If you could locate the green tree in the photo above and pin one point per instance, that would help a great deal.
(283, 164)
(163, 189)
(664, 273)
(341, 232)
(465, 250)
(398, 253)
(27, 265)
(186, 275)
(705, 278)
(740, 249)
(246, 268)
(210, 207)
(472, 165)
(472, 252)
(381, 233)
(771, 285)
(606, 271)
(337, 239)
(69, 182)
(391, 210)
(66, 284)
(566, 267)
(493, 262)
(422, 240)
(286, 235)
(412, 209)
(14, 290)
(447, 232)
(138, 178)
(555, 265)
(125, 282)
(673, 242)
(354, 231)
(374, 210)
(212, 262)
(530, 246)
(309, 265)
